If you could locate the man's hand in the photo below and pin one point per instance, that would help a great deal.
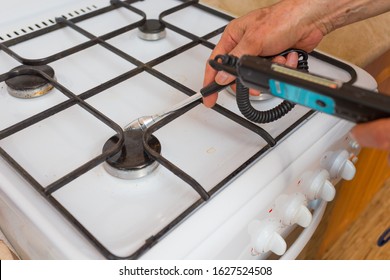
(264, 32)
(375, 134)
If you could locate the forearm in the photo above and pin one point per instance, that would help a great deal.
(328, 15)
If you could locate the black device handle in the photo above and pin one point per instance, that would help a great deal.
(213, 88)
(319, 93)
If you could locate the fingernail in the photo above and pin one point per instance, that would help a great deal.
(279, 60)
(292, 59)
(222, 77)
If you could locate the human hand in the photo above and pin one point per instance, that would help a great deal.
(291, 60)
(263, 32)
(375, 134)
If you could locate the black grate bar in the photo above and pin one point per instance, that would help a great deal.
(126, 4)
(84, 168)
(51, 28)
(101, 42)
(22, 172)
(186, 47)
(171, 54)
(153, 240)
(40, 189)
(351, 71)
(171, 81)
(36, 118)
(97, 160)
(49, 59)
(180, 30)
(40, 116)
(295, 125)
(74, 100)
(163, 161)
(245, 123)
(223, 111)
(117, 80)
(71, 22)
(240, 169)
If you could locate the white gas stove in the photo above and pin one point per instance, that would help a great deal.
(211, 185)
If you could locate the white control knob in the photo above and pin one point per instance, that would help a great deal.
(265, 237)
(317, 185)
(292, 209)
(348, 170)
(339, 165)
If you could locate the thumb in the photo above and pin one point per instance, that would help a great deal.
(375, 134)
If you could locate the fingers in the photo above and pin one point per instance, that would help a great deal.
(252, 91)
(224, 46)
(234, 41)
(374, 134)
(210, 100)
(246, 46)
(223, 78)
(291, 60)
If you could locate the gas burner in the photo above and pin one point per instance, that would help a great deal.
(132, 162)
(30, 86)
(152, 30)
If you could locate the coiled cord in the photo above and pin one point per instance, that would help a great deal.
(244, 103)
(246, 108)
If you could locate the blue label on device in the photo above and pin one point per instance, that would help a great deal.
(303, 97)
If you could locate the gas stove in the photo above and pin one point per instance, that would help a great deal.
(198, 184)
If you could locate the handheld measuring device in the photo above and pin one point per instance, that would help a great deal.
(316, 92)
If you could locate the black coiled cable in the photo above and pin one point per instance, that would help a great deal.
(246, 108)
(249, 112)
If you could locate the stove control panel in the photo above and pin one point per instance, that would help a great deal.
(288, 210)
(297, 204)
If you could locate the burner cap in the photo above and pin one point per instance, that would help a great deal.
(132, 162)
(30, 86)
(152, 30)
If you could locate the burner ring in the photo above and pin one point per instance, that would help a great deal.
(131, 162)
(30, 86)
(152, 30)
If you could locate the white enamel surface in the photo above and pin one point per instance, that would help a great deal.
(208, 146)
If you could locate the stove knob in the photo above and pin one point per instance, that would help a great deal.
(316, 185)
(339, 165)
(265, 237)
(292, 209)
